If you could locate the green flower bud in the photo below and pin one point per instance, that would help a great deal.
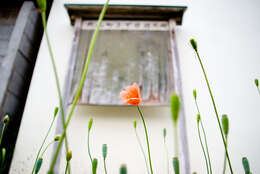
(69, 156)
(3, 154)
(57, 138)
(6, 119)
(256, 82)
(56, 111)
(38, 165)
(225, 124)
(194, 94)
(246, 165)
(123, 169)
(175, 107)
(104, 151)
(194, 44)
(164, 132)
(42, 5)
(194, 173)
(176, 165)
(198, 117)
(90, 124)
(135, 124)
(94, 166)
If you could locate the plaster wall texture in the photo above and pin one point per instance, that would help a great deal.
(228, 34)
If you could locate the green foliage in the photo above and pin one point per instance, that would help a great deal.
(175, 107)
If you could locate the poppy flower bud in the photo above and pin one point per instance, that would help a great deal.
(123, 169)
(246, 165)
(194, 44)
(256, 82)
(198, 118)
(104, 151)
(42, 5)
(90, 124)
(135, 124)
(164, 132)
(225, 124)
(195, 94)
(175, 107)
(56, 111)
(69, 156)
(38, 165)
(3, 154)
(94, 166)
(6, 119)
(176, 165)
(57, 138)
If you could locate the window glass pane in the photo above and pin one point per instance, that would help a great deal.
(120, 58)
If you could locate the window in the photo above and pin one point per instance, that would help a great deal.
(128, 49)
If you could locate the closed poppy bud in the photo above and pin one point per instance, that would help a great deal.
(195, 94)
(104, 151)
(42, 5)
(198, 118)
(6, 119)
(90, 124)
(175, 107)
(94, 166)
(123, 169)
(176, 165)
(135, 124)
(56, 111)
(246, 165)
(3, 154)
(256, 82)
(57, 138)
(69, 155)
(193, 44)
(164, 132)
(225, 124)
(38, 165)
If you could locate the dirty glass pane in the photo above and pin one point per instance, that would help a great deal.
(121, 58)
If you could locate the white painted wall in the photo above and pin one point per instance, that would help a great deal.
(228, 34)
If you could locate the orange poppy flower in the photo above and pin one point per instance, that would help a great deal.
(131, 95)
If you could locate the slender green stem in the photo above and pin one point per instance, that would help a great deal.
(89, 154)
(206, 143)
(2, 134)
(39, 151)
(105, 167)
(142, 149)
(76, 98)
(216, 112)
(203, 149)
(258, 89)
(147, 140)
(46, 148)
(176, 142)
(66, 169)
(205, 137)
(225, 158)
(167, 157)
(43, 14)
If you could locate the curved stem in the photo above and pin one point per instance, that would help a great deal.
(82, 80)
(225, 158)
(206, 143)
(46, 148)
(176, 144)
(105, 167)
(43, 14)
(2, 133)
(66, 169)
(203, 149)
(167, 157)
(147, 140)
(89, 154)
(216, 112)
(39, 151)
(141, 147)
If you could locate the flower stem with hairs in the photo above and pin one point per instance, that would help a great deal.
(194, 45)
(82, 80)
(166, 149)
